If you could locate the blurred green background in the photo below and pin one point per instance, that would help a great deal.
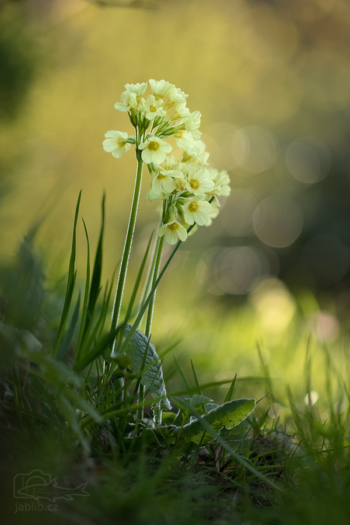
(271, 78)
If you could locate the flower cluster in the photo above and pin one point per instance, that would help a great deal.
(184, 182)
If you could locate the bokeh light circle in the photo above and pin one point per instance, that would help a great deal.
(274, 305)
(237, 269)
(277, 221)
(308, 159)
(254, 149)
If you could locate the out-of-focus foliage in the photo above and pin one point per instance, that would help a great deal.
(18, 64)
(272, 80)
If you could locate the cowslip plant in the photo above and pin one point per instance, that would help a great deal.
(167, 140)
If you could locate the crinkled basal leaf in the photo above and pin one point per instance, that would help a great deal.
(228, 415)
(200, 403)
(152, 378)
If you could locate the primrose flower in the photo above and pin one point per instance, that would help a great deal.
(173, 231)
(116, 143)
(153, 108)
(180, 184)
(214, 213)
(176, 96)
(197, 210)
(181, 112)
(192, 123)
(162, 184)
(138, 89)
(171, 166)
(184, 140)
(159, 88)
(198, 181)
(197, 155)
(128, 102)
(222, 182)
(154, 150)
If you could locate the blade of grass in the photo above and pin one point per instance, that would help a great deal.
(69, 334)
(169, 349)
(86, 294)
(97, 350)
(70, 284)
(182, 375)
(96, 275)
(231, 389)
(196, 379)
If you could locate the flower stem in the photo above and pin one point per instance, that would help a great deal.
(155, 267)
(127, 246)
(149, 275)
(158, 257)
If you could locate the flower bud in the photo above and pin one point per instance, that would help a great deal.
(133, 118)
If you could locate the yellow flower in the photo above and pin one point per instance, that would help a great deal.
(192, 123)
(198, 181)
(197, 210)
(154, 150)
(176, 96)
(173, 231)
(222, 181)
(128, 102)
(160, 88)
(116, 143)
(153, 108)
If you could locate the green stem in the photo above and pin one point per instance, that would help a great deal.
(157, 259)
(127, 246)
(150, 274)
(158, 256)
(154, 271)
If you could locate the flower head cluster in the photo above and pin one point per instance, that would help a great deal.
(184, 181)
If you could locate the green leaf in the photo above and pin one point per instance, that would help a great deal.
(53, 371)
(198, 401)
(86, 294)
(228, 415)
(70, 284)
(152, 377)
(195, 377)
(72, 420)
(231, 389)
(70, 332)
(84, 405)
(168, 417)
(96, 275)
(97, 350)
